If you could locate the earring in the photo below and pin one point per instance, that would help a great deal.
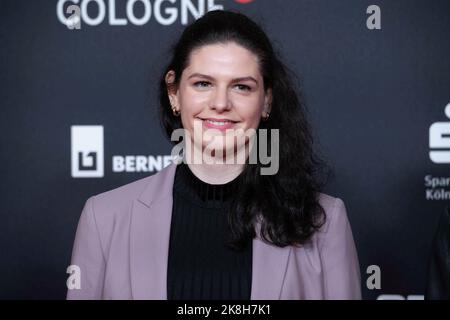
(266, 117)
(176, 112)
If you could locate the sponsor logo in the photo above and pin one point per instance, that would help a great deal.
(438, 187)
(440, 140)
(75, 13)
(87, 147)
(87, 151)
(140, 163)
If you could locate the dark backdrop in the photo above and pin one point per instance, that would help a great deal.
(372, 96)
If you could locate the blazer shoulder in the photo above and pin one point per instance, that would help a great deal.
(334, 208)
(120, 198)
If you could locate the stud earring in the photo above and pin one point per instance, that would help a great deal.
(176, 112)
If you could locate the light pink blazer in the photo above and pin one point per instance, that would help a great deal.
(122, 241)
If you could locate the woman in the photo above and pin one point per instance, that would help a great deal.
(217, 229)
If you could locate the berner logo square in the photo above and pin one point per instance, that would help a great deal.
(87, 151)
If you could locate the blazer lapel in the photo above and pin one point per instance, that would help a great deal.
(149, 237)
(268, 270)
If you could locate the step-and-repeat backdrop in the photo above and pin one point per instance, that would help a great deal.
(78, 117)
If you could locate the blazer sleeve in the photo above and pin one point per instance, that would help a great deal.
(339, 257)
(88, 255)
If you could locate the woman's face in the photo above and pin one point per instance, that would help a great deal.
(222, 82)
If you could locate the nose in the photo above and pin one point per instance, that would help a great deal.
(219, 100)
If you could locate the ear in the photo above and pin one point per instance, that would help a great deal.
(172, 90)
(268, 101)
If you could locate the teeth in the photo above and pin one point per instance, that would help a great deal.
(221, 123)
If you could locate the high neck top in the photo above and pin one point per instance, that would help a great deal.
(200, 264)
(204, 194)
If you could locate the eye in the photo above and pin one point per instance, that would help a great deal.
(201, 84)
(243, 87)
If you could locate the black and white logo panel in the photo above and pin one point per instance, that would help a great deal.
(87, 151)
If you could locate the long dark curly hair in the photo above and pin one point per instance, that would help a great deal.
(285, 205)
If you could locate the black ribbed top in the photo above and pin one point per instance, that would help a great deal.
(200, 265)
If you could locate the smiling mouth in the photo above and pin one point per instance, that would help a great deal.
(219, 122)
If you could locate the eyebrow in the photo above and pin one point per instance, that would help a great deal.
(249, 78)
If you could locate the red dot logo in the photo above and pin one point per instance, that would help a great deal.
(243, 1)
